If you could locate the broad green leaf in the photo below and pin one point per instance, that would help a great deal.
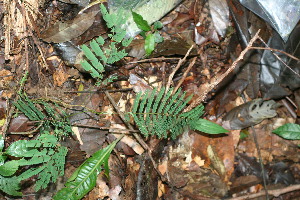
(1, 142)
(149, 44)
(207, 127)
(84, 178)
(9, 168)
(157, 25)
(10, 185)
(140, 22)
(288, 131)
(20, 149)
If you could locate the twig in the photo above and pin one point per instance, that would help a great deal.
(144, 145)
(153, 60)
(217, 79)
(177, 67)
(28, 132)
(101, 90)
(185, 74)
(277, 50)
(275, 193)
(117, 130)
(279, 57)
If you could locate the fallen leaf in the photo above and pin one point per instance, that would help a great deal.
(65, 31)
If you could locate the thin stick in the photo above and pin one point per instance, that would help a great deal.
(117, 130)
(153, 60)
(185, 74)
(278, 57)
(144, 145)
(28, 132)
(98, 91)
(177, 67)
(277, 50)
(275, 193)
(217, 79)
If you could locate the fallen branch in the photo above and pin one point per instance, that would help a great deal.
(275, 193)
(207, 87)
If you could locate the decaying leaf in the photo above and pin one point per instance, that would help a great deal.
(65, 31)
(249, 114)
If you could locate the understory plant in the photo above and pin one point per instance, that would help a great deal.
(97, 56)
(149, 33)
(42, 158)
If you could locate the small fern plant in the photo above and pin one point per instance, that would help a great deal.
(161, 114)
(43, 157)
(96, 55)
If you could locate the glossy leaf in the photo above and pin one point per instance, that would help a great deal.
(207, 127)
(84, 178)
(149, 44)
(288, 131)
(140, 22)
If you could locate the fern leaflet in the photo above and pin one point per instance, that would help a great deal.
(160, 113)
(96, 56)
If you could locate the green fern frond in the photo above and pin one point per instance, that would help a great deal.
(97, 56)
(161, 113)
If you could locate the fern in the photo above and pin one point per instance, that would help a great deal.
(44, 153)
(48, 116)
(161, 114)
(96, 56)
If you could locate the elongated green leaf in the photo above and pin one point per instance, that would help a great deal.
(85, 176)
(207, 127)
(10, 185)
(288, 131)
(140, 22)
(149, 44)
(9, 168)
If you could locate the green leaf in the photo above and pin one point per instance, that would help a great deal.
(10, 185)
(140, 22)
(84, 178)
(9, 168)
(157, 25)
(158, 37)
(149, 44)
(207, 127)
(288, 131)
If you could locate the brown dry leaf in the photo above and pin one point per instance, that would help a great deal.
(60, 76)
(65, 31)
(223, 149)
(6, 77)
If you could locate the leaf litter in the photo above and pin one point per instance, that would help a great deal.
(198, 165)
